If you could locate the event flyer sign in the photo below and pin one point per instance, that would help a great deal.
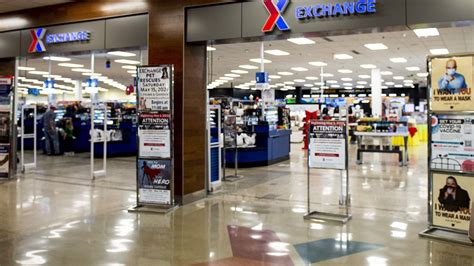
(4, 160)
(327, 145)
(451, 83)
(155, 135)
(452, 141)
(452, 200)
(154, 181)
(154, 88)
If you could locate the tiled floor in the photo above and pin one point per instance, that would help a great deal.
(57, 216)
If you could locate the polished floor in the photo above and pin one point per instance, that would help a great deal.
(56, 215)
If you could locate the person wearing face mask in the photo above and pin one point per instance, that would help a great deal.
(452, 197)
(452, 81)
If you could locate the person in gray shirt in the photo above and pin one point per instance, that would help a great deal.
(50, 132)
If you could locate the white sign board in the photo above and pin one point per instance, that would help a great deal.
(154, 89)
(327, 145)
(155, 143)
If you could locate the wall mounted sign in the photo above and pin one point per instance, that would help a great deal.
(336, 9)
(275, 18)
(39, 38)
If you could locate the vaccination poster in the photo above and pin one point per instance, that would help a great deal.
(452, 141)
(154, 88)
(452, 200)
(154, 181)
(451, 83)
(327, 145)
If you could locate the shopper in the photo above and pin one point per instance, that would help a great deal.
(50, 132)
(68, 138)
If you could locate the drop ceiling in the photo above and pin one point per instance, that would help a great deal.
(405, 44)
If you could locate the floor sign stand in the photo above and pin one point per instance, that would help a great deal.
(328, 149)
(96, 137)
(450, 148)
(27, 166)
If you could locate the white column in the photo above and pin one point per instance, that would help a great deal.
(376, 93)
(78, 90)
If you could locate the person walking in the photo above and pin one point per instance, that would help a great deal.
(50, 132)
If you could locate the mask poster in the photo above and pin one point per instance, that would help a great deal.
(451, 83)
(327, 146)
(452, 139)
(452, 200)
(155, 135)
(154, 181)
(154, 89)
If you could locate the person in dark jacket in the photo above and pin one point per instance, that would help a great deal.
(452, 197)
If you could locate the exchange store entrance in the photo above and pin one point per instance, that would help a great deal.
(63, 89)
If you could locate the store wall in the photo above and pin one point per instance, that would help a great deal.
(166, 46)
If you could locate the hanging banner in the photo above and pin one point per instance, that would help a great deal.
(452, 200)
(154, 88)
(154, 181)
(154, 135)
(452, 141)
(451, 83)
(327, 145)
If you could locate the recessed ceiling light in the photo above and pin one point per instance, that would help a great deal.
(386, 73)
(35, 72)
(121, 53)
(131, 71)
(389, 83)
(346, 79)
(248, 67)
(299, 80)
(343, 56)
(348, 88)
(364, 76)
(412, 68)
(277, 52)
(210, 49)
(238, 71)
(280, 84)
(226, 78)
(398, 86)
(300, 69)
(398, 60)
(301, 41)
(97, 74)
(368, 66)
(344, 71)
(70, 65)
(274, 76)
(327, 75)
(422, 75)
(318, 63)
(52, 76)
(259, 60)
(439, 51)
(57, 58)
(284, 73)
(362, 82)
(81, 70)
(312, 78)
(383, 87)
(428, 32)
(126, 61)
(289, 82)
(360, 86)
(376, 46)
(308, 85)
(318, 83)
(408, 81)
(398, 77)
(335, 86)
(331, 81)
(26, 68)
(129, 67)
(232, 75)
(347, 84)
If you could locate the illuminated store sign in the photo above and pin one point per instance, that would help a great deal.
(275, 17)
(335, 9)
(39, 38)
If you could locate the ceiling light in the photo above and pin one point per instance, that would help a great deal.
(342, 56)
(210, 49)
(52, 76)
(331, 81)
(344, 71)
(386, 73)
(26, 68)
(362, 82)
(126, 61)
(318, 63)
(360, 86)
(318, 83)
(312, 78)
(383, 87)
(348, 88)
(259, 60)
(95, 74)
(347, 84)
(327, 75)
(285, 73)
(398, 60)
(129, 67)
(299, 80)
(238, 71)
(364, 76)
(412, 68)
(398, 77)
(398, 86)
(308, 85)
(289, 82)
(300, 69)
(274, 76)
(132, 71)
(376, 46)
(277, 52)
(335, 86)
(368, 66)
(248, 67)
(439, 51)
(57, 58)
(346, 79)
(70, 65)
(389, 83)
(301, 41)
(226, 78)
(408, 81)
(426, 32)
(232, 75)
(81, 70)
(422, 75)
(35, 72)
(121, 53)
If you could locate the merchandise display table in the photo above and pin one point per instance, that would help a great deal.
(381, 148)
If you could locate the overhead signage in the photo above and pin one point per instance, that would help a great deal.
(154, 181)
(154, 89)
(327, 144)
(39, 38)
(335, 9)
(275, 11)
